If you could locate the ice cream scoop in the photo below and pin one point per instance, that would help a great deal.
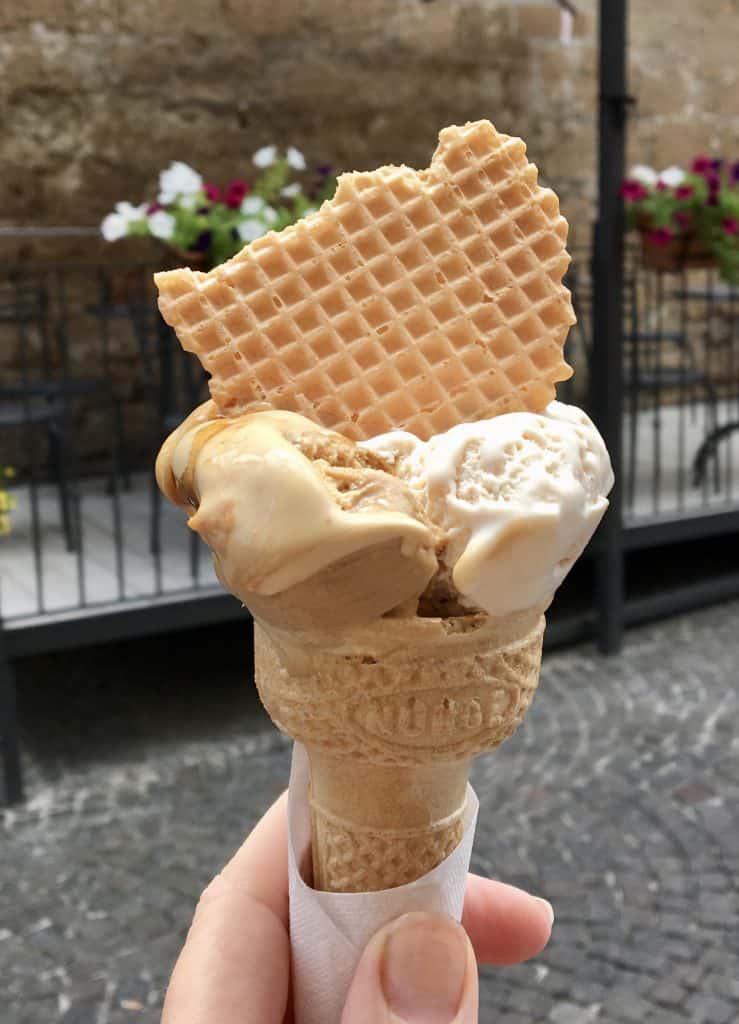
(305, 527)
(516, 497)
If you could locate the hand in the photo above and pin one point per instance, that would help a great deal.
(235, 966)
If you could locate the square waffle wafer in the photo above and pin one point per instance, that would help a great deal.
(411, 300)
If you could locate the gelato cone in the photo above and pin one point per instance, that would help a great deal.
(398, 566)
(391, 715)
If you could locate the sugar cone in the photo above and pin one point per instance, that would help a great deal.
(391, 715)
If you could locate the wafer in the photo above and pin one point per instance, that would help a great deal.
(414, 300)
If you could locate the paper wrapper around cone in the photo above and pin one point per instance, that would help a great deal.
(391, 715)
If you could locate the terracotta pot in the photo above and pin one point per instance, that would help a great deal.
(683, 252)
(192, 258)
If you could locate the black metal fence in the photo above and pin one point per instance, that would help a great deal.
(92, 381)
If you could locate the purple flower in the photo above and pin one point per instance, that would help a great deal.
(702, 164)
(633, 190)
(731, 225)
(213, 193)
(661, 236)
(203, 241)
(684, 218)
(734, 173)
(717, 164)
(713, 181)
(325, 169)
(683, 192)
(236, 192)
(153, 208)
(661, 187)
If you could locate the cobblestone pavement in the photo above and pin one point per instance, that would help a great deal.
(618, 800)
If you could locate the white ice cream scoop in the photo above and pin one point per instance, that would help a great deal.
(517, 496)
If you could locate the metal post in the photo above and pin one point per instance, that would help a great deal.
(607, 363)
(11, 790)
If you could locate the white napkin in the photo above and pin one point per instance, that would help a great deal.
(328, 930)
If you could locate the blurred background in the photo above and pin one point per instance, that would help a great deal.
(147, 135)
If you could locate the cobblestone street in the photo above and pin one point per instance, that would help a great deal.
(618, 800)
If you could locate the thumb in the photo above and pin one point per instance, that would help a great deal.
(419, 969)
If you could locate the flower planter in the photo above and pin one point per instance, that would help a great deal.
(683, 252)
(191, 258)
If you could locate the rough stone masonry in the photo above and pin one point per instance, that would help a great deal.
(96, 97)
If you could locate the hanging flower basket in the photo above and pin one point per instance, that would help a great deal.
(687, 219)
(685, 251)
(205, 224)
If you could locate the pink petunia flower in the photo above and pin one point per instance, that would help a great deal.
(235, 193)
(153, 208)
(633, 190)
(702, 164)
(661, 236)
(684, 218)
(731, 225)
(683, 192)
(213, 193)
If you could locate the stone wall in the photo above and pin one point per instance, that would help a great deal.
(99, 94)
(96, 96)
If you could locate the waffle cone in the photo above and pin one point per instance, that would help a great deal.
(391, 715)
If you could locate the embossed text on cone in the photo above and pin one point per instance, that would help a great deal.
(391, 715)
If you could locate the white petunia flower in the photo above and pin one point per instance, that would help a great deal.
(113, 227)
(190, 202)
(672, 176)
(646, 175)
(161, 225)
(269, 215)
(290, 191)
(250, 229)
(309, 210)
(295, 158)
(131, 213)
(252, 205)
(178, 180)
(265, 156)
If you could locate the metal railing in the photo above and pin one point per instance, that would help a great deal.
(92, 380)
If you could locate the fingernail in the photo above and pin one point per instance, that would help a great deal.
(423, 969)
(549, 909)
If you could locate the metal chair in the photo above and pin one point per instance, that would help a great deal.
(38, 400)
(23, 409)
(658, 361)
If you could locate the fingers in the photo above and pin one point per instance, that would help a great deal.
(260, 865)
(506, 925)
(235, 965)
(419, 968)
(423, 967)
